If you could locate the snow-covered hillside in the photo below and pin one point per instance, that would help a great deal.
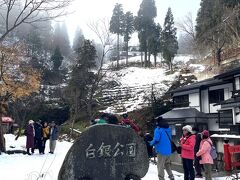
(133, 86)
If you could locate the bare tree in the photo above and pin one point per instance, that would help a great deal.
(104, 42)
(187, 27)
(101, 29)
(231, 20)
(16, 12)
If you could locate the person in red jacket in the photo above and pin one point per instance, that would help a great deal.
(128, 122)
(187, 143)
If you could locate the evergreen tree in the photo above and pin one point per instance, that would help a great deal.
(57, 59)
(128, 30)
(66, 48)
(155, 44)
(87, 56)
(78, 39)
(169, 42)
(61, 39)
(117, 26)
(231, 3)
(210, 28)
(144, 23)
(81, 79)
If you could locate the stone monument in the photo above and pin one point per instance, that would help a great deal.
(106, 152)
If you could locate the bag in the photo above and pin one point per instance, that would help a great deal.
(179, 149)
(213, 151)
(173, 145)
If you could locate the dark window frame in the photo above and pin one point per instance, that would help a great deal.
(181, 101)
(225, 120)
(216, 96)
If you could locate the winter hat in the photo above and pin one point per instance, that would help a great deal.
(205, 133)
(125, 115)
(187, 128)
(30, 122)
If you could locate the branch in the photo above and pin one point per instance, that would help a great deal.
(29, 12)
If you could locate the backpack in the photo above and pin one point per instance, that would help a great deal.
(213, 151)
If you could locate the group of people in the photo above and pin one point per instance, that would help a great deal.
(38, 133)
(194, 149)
(107, 118)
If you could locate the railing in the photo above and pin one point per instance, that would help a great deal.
(236, 93)
(231, 158)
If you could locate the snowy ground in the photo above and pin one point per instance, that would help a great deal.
(25, 167)
(46, 167)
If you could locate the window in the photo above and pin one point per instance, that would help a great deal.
(216, 96)
(181, 101)
(225, 118)
(237, 83)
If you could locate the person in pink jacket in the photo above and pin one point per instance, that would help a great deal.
(204, 152)
(187, 143)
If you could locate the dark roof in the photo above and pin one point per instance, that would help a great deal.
(200, 84)
(232, 102)
(228, 73)
(183, 113)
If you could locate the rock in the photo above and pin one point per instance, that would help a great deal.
(106, 152)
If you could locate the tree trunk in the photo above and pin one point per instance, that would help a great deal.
(2, 140)
(89, 110)
(118, 51)
(73, 115)
(127, 54)
(149, 59)
(22, 123)
(155, 60)
(141, 58)
(145, 58)
(218, 56)
(170, 66)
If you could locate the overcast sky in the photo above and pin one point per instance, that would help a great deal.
(85, 11)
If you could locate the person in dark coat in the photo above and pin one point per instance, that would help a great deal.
(148, 138)
(103, 119)
(53, 137)
(197, 165)
(30, 133)
(38, 136)
(112, 119)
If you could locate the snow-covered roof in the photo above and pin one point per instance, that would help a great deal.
(226, 136)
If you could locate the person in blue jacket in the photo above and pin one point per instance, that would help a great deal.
(161, 142)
